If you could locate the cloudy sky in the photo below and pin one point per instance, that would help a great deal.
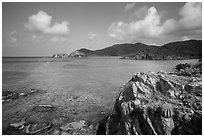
(42, 29)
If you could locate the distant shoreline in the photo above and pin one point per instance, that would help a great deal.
(117, 57)
(27, 57)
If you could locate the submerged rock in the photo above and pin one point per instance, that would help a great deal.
(156, 104)
(77, 128)
(8, 95)
(73, 125)
(19, 125)
(36, 128)
(43, 108)
(32, 91)
(15, 128)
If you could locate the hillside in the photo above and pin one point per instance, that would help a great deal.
(175, 50)
(192, 48)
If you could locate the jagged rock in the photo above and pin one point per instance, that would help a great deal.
(189, 69)
(182, 66)
(167, 111)
(156, 104)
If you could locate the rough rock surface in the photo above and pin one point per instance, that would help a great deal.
(188, 69)
(9, 95)
(155, 104)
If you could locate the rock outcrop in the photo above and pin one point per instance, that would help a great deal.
(189, 69)
(10, 95)
(60, 55)
(77, 54)
(156, 104)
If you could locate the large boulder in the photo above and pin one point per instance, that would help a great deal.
(156, 104)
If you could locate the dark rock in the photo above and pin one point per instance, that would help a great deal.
(32, 91)
(10, 130)
(101, 127)
(182, 66)
(36, 128)
(60, 55)
(8, 95)
(19, 124)
(156, 104)
(43, 108)
(15, 128)
(189, 69)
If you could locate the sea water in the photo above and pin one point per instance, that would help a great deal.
(77, 87)
(102, 73)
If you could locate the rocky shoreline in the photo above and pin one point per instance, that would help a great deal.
(150, 103)
(157, 104)
(154, 57)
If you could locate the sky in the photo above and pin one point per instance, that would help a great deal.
(43, 29)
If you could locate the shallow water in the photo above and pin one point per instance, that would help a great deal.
(102, 73)
(93, 81)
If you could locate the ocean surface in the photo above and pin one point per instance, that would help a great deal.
(76, 86)
(70, 74)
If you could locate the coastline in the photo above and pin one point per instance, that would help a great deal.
(77, 112)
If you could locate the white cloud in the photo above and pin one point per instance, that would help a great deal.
(148, 27)
(92, 36)
(41, 22)
(12, 40)
(191, 15)
(37, 38)
(129, 6)
(151, 27)
(117, 30)
(49, 38)
(58, 39)
(189, 23)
